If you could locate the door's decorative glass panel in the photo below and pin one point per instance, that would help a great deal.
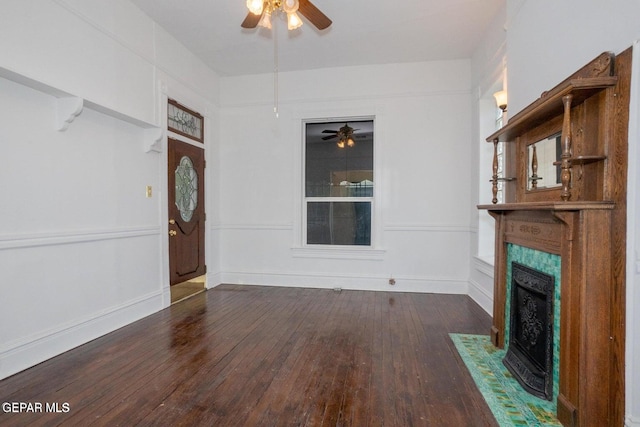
(185, 121)
(186, 188)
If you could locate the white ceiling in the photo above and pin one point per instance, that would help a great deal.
(363, 32)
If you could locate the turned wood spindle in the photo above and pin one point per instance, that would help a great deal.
(494, 177)
(565, 174)
(534, 168)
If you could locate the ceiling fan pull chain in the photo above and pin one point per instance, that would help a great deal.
(275, 70)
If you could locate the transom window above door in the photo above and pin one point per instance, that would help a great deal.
(338, 182)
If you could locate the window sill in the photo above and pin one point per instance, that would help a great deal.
(332, 252)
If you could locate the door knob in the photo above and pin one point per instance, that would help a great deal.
(172, 233)
(172, 221)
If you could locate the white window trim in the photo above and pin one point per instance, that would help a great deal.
(299, 246)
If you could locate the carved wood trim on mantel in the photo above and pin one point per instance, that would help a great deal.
(541, 231)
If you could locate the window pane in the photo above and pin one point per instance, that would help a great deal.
(335, 167)
(339, 223)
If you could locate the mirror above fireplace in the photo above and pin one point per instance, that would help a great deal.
(544, 163)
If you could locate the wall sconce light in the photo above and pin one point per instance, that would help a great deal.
(501, 99)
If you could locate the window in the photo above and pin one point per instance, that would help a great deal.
(338, 178)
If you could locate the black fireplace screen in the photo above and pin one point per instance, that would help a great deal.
(530, 353)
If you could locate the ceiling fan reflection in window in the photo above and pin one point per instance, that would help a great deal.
(345, 136)
(260, 12)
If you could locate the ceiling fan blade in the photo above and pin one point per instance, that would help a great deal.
(251, 21)
(330, 137)
(330, 131)
(313, 14)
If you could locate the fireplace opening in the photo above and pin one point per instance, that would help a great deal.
(529, 355)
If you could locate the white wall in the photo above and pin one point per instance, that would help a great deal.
(488, 75)
(82, 250)
(546, 41)
(633, 250)
(421, 219)
(78, 239)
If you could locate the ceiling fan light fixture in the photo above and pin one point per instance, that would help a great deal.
(293, 21)
(265, 21)
(290, 6)
(350, 142)
(341, 143)
(255, 6)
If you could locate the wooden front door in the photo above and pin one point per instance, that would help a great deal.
(186, 211)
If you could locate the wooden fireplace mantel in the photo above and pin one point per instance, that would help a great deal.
(581, 237)
(583, 220)
(548, 206)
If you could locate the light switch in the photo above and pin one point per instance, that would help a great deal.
(149, 191)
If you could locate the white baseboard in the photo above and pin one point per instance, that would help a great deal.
(348, 282)
(28, 352)
(481, 297)
(214, 279)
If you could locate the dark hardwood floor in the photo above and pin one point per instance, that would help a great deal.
(268, 356)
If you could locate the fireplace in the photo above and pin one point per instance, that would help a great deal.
(583, 222)
(530, 351)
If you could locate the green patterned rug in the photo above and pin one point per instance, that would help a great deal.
(510, 404)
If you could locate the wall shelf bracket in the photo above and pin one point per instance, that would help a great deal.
(153, 140)
(67, 109)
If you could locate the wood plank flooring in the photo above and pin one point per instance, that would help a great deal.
(268, 356)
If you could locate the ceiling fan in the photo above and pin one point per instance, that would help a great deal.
(344, 134)
(260, 13)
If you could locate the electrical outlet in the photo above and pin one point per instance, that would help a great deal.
(392, 281)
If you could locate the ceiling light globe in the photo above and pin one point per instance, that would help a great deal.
(255, 6)
(265, 21)
(290, 6)
(293, 21)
